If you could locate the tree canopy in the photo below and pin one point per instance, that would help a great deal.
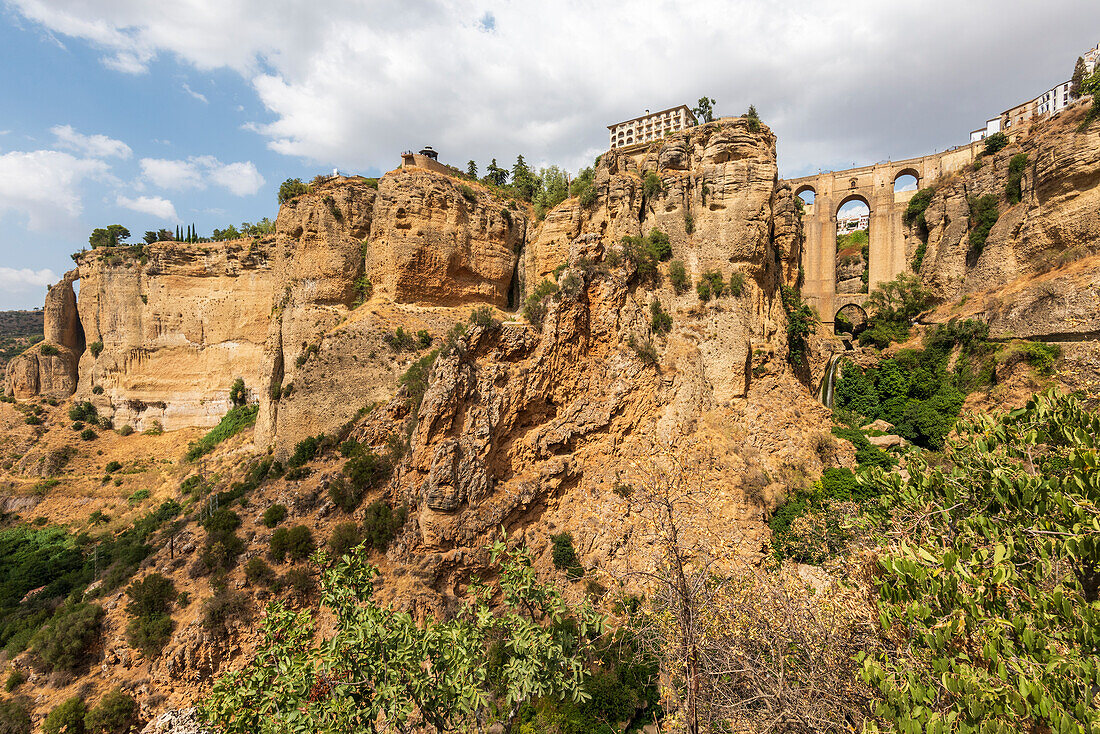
(109, 236)
(379, 664)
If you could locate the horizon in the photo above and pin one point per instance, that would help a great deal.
(153, 117)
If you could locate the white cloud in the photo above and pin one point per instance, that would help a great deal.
(25, 279)
(43, 186)
(241, 178)
(152, 205)
(93, 146)
(197, 95)
(171, 174)
(352, 84)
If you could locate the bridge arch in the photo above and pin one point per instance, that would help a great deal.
(806, 189)
(851, 317)
(908, 178)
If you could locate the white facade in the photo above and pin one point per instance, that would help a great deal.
(650, 127)
(991, 127)
(845, 225)
(1091, 57)
(1053, 101)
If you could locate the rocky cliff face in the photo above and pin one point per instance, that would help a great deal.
(357, 263)
(173, 326)
(1056, 223)
(50, 368)
(720, 205)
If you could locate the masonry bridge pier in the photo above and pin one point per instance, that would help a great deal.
(874, 186)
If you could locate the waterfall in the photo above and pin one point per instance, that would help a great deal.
(825, 395)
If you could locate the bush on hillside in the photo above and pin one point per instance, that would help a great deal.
(116, 713)
(381, 524)
(234, 421)
(15, 717)
(274, 515)
(65, 641)
(677, 276)
(66, 718)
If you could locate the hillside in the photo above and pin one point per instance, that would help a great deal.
(421, 363)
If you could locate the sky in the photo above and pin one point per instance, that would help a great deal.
(152, 114)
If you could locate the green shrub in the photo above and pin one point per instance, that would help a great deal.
(565, 556)
(483, 316)
(300, 581)
(238, 393)
(295, 543)
(153, 595)
(689, 223)
(223, 609)
(138, 496)
(49, 350)
(112, 466)
(659, 319)
(423, 339)
(290, 189)
(364, 289)
(305, 451)
(677, 276)
(416, 379)
(1016, 167)
(644, 349)
(381, 524)
(95, 348)
(258, 573)
(83, 412)
(150, 634)
(467, 193)
(274, 515)
(1039, 355)
(66, 718)
(126, 430)
(116, 713)
(710, 285)
(222, 520)
(297, 474)
(737, 284)
(15, 717)
(235, 421)
(983, 215)
(652, 187)
(66, 640)
(995, 143)
(534, 307)
(658, 244)
(345, 536)
(15, 679)
(400, 340)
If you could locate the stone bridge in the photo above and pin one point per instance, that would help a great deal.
(874, 186)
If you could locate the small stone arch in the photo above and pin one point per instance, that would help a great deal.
(907, 172)
(806, 189)
(850, 314)
(849, 199)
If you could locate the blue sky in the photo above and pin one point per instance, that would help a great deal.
(153, 114)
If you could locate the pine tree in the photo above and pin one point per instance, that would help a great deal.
(523, 179)
(1079, 73)
(471, 170)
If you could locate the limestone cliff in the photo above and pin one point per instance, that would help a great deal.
(50, 367)
(415, 249)
(173, 326)
(1030, 250)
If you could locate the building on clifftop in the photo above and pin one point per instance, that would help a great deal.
(651, 126)
(427, 158)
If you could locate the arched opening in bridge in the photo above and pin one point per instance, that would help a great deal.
(806, 195)
(906, 182)
(853, 245)
(850, 319)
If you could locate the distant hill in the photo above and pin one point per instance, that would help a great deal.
(18, 330)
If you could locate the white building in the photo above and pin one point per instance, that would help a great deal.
(991, 126)
(844, 225)
(1053, 101)
(651, 126)
(1091, 57)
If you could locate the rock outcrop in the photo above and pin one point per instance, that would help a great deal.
(50, 367)
(1056, 222)
(173, 325)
